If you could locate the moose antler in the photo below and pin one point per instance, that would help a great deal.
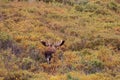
(59, 43)
(46, 43)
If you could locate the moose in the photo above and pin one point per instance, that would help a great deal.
(51, 49)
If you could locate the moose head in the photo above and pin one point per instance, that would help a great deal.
(51, 49)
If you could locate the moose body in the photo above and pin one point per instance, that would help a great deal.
(51, 49)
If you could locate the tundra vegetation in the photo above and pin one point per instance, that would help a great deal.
(90, 28)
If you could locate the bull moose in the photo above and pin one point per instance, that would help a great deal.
(51, 49)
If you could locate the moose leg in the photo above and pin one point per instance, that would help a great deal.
(48, 60)
(48, 57)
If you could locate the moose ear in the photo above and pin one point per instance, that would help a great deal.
(59, 43)
(44, 43)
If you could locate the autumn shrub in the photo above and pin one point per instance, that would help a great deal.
(36, 54)
(55, 16)
(26, 63)
(91, 7)
(107, 56)
(17, 49)
(5, 1)
(114, 6)
(18, 75)
(11, 62)
(70, 61)
(3, 70)
(65, 68)
(77, 45)
(93, 66)
(93, 43)
(50, 69)
(114, 42)
(31, 10)
(102, 11)
(5, 40)
(90, 62)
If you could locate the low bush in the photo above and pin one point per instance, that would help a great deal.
(114, 6)
(5, 40)
(36, 55)
(18, 75)
(26, 63)
(93, 66)
(70, 77)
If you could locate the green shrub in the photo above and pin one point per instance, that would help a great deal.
(4, 37)
(114, 6)
(79, 8)
(78, 2)
(69, 77)
(47, 1)
(90, 7)
(5, 40)
(93, 66)
(97, 8)
(85, 52)
(97, 63)
(82, 1)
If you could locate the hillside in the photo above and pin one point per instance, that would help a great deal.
(91, 30)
